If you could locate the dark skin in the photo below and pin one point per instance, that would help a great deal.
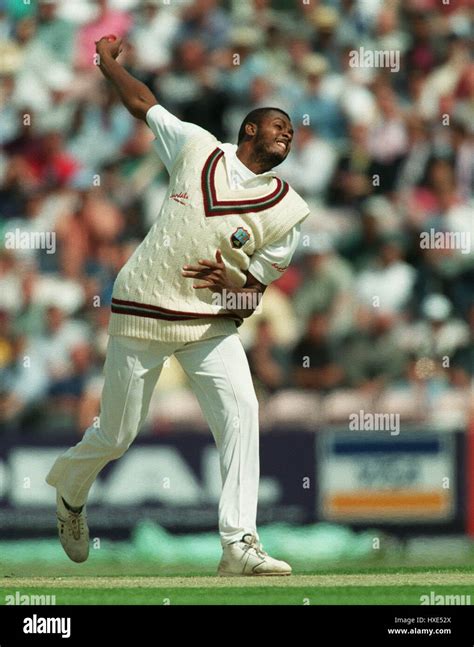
(214, 275)
(265, 145)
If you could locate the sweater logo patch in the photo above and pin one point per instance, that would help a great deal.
(239, 237)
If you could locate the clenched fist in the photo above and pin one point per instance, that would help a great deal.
(109, 46)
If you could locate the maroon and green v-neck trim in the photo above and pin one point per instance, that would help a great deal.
(215, 207)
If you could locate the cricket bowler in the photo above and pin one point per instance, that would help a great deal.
(228, 227)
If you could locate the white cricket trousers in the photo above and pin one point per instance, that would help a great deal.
(220, 378)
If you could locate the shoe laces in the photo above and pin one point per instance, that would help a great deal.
(252, 543)
(75, 522)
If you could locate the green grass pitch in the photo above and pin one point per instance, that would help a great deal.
(374, 586)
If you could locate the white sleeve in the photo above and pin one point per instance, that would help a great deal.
(269, 263)
(171, 133)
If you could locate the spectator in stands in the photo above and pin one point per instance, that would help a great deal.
(66, 391)
(421, 55)
(103, 120)
(21, 389)
(30, 318)
(387, 32)
(57, 341)
(268, 360)
(353, 178)
(191, 89)
(420, 149)
(40, 362)
(153, 34)
(50, 165)
(6, 343)
(316, 108)
(314, 359)
(106, 21)
(10, 282)
(370, 354)
(387, 141)
(55, 32)
(206, 21)
(361, 246)
(388, 283)
(327, 286)
(311, 165)
(240, 62)
(37, 69)
(325, 42)
(439, 335)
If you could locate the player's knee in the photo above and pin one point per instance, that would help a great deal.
(119, 449)
(117, 445)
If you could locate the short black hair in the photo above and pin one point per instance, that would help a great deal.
(255, 117)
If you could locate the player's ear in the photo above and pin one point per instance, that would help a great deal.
(251, 129)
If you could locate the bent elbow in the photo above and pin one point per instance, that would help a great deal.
(138, 108)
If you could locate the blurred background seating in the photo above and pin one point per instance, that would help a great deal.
(365, 318)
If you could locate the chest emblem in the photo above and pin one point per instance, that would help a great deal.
(239, 237)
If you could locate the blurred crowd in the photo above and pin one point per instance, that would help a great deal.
(376, 312)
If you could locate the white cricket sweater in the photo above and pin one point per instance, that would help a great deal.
(151, 300)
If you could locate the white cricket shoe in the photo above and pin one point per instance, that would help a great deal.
(246, 557)
(73, 531)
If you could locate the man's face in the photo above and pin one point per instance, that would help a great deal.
(272, 141)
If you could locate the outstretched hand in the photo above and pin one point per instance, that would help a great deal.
(214, 274)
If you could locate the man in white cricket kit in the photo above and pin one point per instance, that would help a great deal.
(228, 226)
